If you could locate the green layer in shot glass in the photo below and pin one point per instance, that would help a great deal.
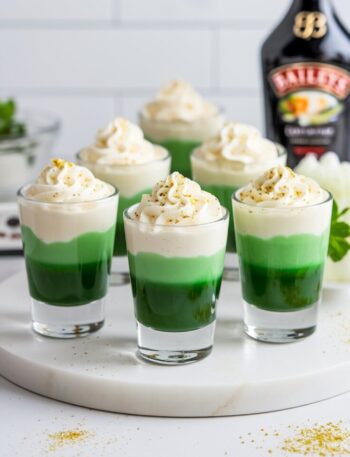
(132, 181)
(223, 182)
(68, 272)
(180, 138)
(282, 272)
(176, 292)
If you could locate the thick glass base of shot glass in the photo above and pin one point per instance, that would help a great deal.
(119, 275)
(279, 327)
(231, 268)
(67, 321)
(174, 348)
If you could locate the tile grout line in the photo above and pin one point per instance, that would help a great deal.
(214, 91)
(115, 13)
(215, 65)
(116, 23)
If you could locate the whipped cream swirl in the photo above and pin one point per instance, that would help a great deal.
(63, 181)
(238, 146)
(121, 143)
(281, 187)
(178, 101)
(178, 201)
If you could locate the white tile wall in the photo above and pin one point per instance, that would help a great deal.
(81, 117)
(65, 10)
(104, 59)
(201, 10)
(88, 60)
(184, 11)
(239, 65)
(244, 108)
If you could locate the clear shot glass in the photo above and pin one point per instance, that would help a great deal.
(282, 253)
(176, 274)
(68, 249)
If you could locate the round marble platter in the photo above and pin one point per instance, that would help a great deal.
(241, 376)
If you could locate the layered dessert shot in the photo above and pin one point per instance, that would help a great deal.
(230, 160)
(121, 156)
(282, 223)
(334, 176)
(68, 222)
(180, 120)
(176, 239)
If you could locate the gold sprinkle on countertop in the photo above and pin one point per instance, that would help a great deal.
(327, 439)
(66, 437)
(321, 440)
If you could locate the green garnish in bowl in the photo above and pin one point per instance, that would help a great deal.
(339, 244)
(9, 126)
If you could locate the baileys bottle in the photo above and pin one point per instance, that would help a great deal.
(306, 75)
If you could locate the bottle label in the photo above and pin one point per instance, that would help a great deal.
(310, 24)
(310, 105)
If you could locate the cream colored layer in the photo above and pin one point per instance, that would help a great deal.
(218, 173)
(131, 179)
(63, 221)
(199, 130)
(270, 222)
(170, 241)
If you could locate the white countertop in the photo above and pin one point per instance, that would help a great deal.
(27, 420)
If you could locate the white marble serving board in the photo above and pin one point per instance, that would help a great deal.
(241, 376)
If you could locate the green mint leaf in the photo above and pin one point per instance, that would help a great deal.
(342, 213)
(340, 230)
(335, 211)
(7, 110)
(338, 248)
(339, 245)
(9, 127)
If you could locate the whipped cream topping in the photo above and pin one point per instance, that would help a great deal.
(178, 201)
(121, 143)
(282, 187)
(238, 146)
(178, 101)
(63, 181)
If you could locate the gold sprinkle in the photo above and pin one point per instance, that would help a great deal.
(60, 163)
(326, 440)
(60, 439)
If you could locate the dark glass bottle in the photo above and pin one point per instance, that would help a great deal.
(306, 77)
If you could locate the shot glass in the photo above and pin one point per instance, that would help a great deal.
(181, 138)
(68, 249)
(222, 181)
(132, 182)
(176, 274)
(282, 253)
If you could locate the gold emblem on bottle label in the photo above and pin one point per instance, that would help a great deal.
(310, 24)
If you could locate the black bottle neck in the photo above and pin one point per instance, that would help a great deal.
(324, 6)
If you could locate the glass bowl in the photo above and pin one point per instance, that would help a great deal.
(22, 158)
